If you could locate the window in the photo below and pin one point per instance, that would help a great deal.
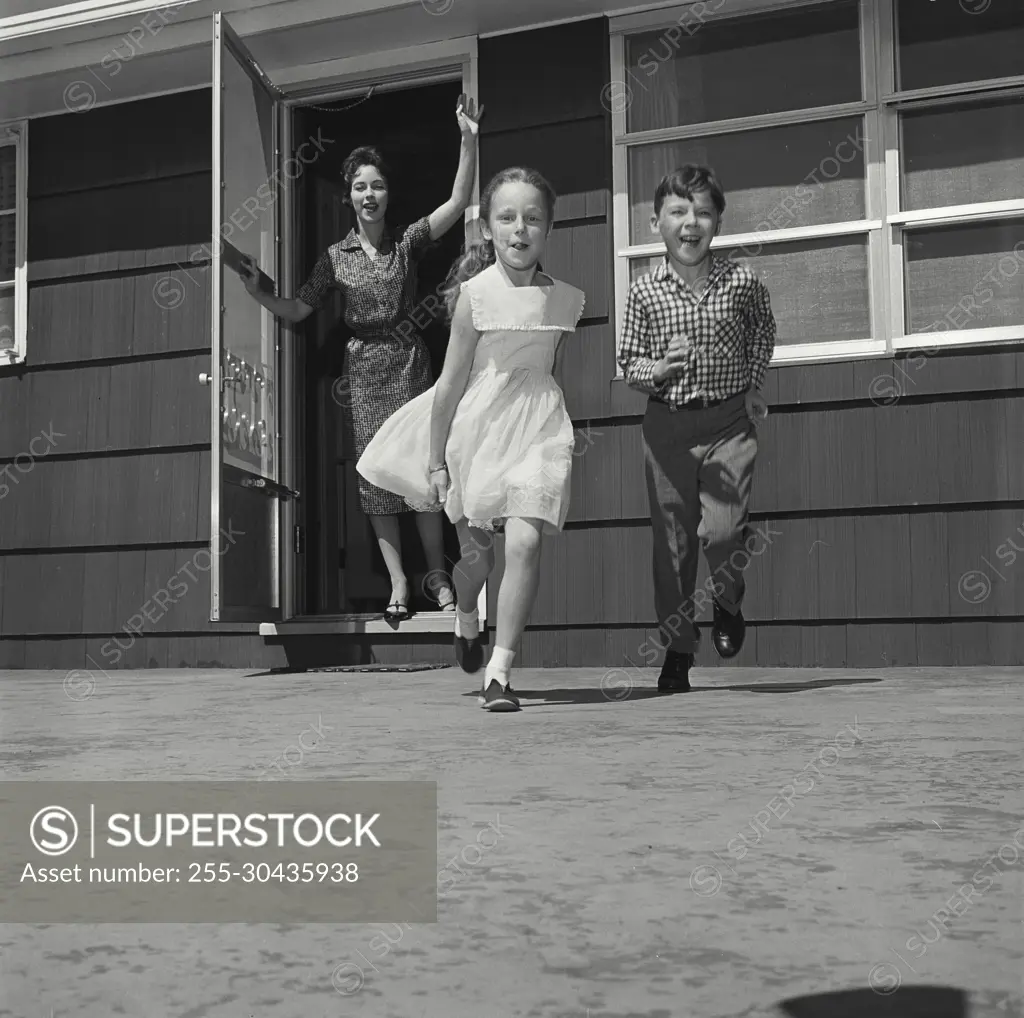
(871, 151)
(13, 234)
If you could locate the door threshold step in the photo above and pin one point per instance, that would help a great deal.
(357, 625)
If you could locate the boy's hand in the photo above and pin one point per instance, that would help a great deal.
(757, 408)
(675, 360)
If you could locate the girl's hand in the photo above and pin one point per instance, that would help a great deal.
(439, 485)
(468, 116)
(250, 274)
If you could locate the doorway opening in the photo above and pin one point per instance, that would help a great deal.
(416, 132)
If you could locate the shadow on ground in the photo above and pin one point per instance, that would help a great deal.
(630, 694)
(905, 1002)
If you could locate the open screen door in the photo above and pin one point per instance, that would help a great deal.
(246, 441)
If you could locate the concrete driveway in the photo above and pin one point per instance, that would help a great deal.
(770, 835)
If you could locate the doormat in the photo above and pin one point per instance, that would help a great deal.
(422, 667)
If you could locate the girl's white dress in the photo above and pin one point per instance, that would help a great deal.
(510, 446)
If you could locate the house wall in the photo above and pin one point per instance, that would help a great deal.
(873, 512)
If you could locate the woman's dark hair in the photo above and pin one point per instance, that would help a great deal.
(685, 182)
(364, 155)
(478, 253)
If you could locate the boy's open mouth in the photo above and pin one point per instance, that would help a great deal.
(518, 245)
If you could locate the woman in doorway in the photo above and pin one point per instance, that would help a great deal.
(386, 361)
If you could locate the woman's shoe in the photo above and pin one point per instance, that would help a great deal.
(397, 612)
(446, 604)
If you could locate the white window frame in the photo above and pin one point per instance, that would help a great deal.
(884, 224)
(16, 133)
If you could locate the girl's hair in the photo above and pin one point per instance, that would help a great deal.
(478, 253)
(364, 155)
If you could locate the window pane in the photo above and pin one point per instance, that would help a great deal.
(957, 155)
(777, 178)
(692, 72)
(946, 42)
(819, 289)
(965, 277)
(8, 165)
(641, 266)
(6, 319)
(8, 231)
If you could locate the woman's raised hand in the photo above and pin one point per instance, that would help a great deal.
(468, 115)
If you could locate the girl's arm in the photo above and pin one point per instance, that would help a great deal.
(445, 216)
(559, 357)
(458, 360)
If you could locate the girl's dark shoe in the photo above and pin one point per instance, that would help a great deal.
(469, 654)
(675, 672)
(728, 631)
(498, 698)
(397, 612)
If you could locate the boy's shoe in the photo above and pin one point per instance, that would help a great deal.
(728, 631)
(469, 654)
(498, 698)
(675, 672)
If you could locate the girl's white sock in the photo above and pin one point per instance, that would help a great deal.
(499, 666)
(467, 624)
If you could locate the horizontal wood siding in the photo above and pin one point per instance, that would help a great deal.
(106, 407)
(889, 487)
(807, 569)
(157, 497)
(619, 653)
(840, 457)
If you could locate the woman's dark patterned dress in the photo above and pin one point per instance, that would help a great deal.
(386, 361)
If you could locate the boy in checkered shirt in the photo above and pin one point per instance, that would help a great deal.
(698, 336)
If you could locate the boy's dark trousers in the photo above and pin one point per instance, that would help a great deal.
(699, 464)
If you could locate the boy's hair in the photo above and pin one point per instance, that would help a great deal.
(685, 181)
(364, 155)
(478, 253)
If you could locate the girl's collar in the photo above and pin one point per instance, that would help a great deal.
(509, 285)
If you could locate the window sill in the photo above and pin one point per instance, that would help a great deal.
(797, 354)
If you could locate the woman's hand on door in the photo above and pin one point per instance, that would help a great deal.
(250, 273)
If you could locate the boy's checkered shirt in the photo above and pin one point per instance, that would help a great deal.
(730, 327)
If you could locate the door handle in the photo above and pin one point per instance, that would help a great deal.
(205, 378)
(270, 487)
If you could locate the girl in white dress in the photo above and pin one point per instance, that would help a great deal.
(491, 443)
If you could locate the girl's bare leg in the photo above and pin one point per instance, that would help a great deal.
(471, 571)
(438, 583)
(517, 592)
